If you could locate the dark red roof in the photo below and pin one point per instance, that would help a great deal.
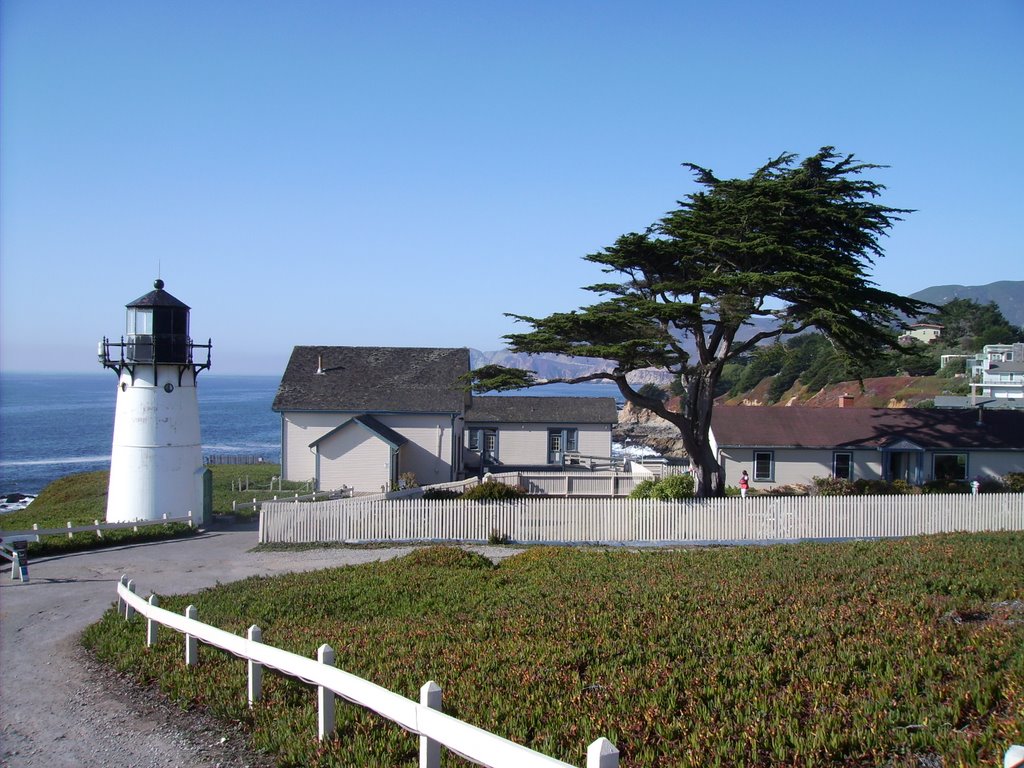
(760, 426)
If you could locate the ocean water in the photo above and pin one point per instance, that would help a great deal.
(53, 425)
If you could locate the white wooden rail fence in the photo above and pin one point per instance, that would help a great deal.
(98, 528)
(562, 520)
(423, 718)
(257, 503)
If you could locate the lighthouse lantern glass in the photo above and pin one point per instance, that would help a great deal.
(140, 321)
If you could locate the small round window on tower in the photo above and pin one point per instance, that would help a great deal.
(168, 387)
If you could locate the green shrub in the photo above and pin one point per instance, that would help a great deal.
(497, 537)
(991, 485)
(881, 487)
(674, 488)
(492, 490)
(1014, 481)
(441, 493)
(833, 486)
(643, 490)
(945, 486)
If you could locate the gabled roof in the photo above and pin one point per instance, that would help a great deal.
(760, 426)
(371, 425)
(373, 380)
(534, 410)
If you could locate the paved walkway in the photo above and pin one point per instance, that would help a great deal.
(53, 712)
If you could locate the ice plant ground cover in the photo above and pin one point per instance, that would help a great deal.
(899, 652)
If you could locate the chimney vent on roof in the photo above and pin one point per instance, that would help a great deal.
(320, 365)
(845, 401)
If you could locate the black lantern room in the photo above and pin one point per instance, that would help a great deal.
(157, 333)
(157, 328)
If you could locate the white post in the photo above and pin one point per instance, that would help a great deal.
(325, 696)
(191, 644)
(255, 668)
(120, 601)
(128, 610)
(99, 531)
(602, 754)
(152, 624)
(70, 534)
(430, 750)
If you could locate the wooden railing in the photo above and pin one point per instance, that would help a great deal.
(643, 521)
(97, 527)
(424, 718)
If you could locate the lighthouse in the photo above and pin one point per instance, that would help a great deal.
(156, 462)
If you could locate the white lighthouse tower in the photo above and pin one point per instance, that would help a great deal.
(156, 462)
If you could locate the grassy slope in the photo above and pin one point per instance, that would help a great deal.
(82, 498)
(903, 652)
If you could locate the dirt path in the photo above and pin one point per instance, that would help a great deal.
(58, 709)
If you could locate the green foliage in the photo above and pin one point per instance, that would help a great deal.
(946, 486)
(671, 488)
(492, 490)
(1014, 481)
(497, 537)
(80, 499)
(441, 493)
(968, 325)
(900, 652)
(833, 486)
(674, 488)
(644, 489)
(653, 391)
(800, 236)
(244, 482)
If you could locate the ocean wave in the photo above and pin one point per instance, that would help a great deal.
(240, 447)
(55, 460)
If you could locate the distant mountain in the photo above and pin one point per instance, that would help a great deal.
(1007, 294)
(559, 366)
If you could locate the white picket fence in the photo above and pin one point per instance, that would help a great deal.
(423, 718)
(616, 520)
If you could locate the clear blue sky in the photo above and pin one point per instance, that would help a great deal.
(402, 173)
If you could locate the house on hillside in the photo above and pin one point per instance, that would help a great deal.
(926, 333)
(783, 446)
(363, 417)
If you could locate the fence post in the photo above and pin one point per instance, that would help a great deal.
(128, 610)
(191, 644)
(325, 696)
(255, 668)
(152, 624)
(123, 581)
(99, 531)
(70, 534)
(430, 750)
(602, 754)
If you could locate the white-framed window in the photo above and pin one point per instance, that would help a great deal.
(842, 465)
(949, 466)
(484, 442)
(764, 466)
(562, 440)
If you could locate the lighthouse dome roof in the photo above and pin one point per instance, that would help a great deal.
(158, 298)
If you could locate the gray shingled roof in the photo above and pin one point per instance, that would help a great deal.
(534, 410)
(373, 380)
(766, 427)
